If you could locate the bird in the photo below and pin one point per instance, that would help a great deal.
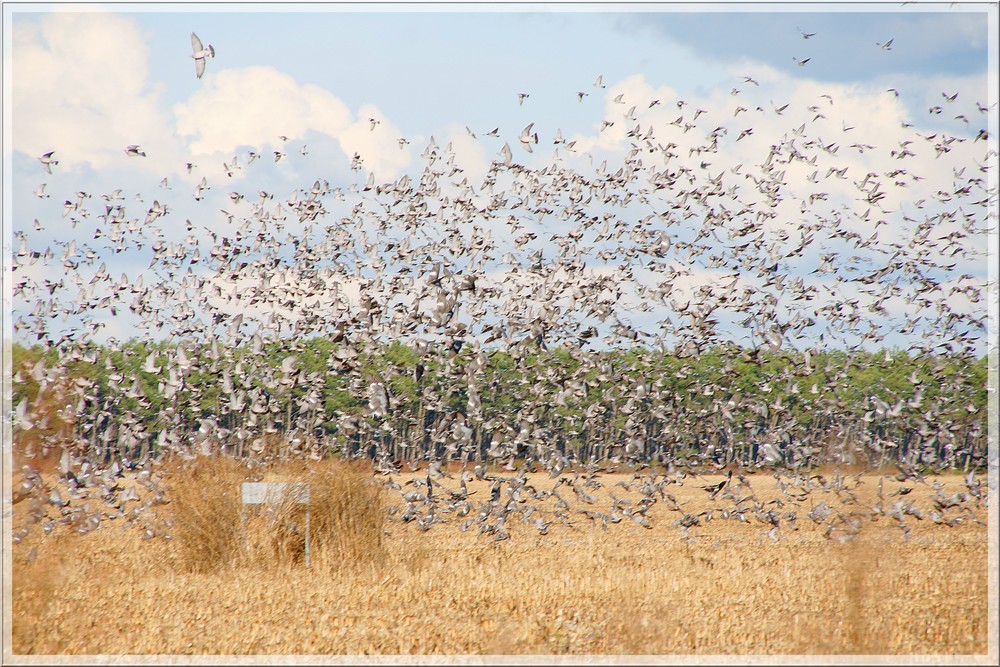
(200, 54)
(48, 161)
(506, 154)
(133, 150)
(528, 137)
(886, 46)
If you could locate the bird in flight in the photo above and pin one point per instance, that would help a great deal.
(133, 150)
(887, 46)
(806, 35)
(527, 138)
(199, 55)
(802, 62)
(47, 161)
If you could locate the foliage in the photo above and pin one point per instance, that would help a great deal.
(722, 403)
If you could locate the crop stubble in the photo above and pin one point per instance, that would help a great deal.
(726, 587)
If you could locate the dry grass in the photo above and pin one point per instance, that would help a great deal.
(204, 512)
(725, 588)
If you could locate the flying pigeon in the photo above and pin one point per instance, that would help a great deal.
(47, 161)
(199, 55)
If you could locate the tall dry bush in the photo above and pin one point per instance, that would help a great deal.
(204, 508)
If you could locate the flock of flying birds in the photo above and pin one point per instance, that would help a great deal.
(838, 509)
(680, 239)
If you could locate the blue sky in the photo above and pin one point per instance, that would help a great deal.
(843, 44)
(86, 83)
(432, 66)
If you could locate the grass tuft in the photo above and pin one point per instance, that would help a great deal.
(204, 505)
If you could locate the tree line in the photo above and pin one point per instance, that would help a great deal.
(409, 402)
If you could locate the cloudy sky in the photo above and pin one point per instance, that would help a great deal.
(323, 83)
(97, 79)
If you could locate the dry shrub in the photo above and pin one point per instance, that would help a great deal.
(204, 507)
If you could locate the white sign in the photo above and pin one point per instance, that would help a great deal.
(275, 493)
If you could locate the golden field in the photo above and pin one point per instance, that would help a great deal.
(379, 586)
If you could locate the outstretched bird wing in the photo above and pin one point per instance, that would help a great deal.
(198, 55)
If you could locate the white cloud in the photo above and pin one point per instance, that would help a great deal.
(378, 146)
(80, 88)
(861, 125)
(469, 153)
(254, 106)
(634, 91)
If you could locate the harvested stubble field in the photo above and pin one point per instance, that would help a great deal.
(388, 587)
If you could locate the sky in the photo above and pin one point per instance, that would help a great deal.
(324, 82)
